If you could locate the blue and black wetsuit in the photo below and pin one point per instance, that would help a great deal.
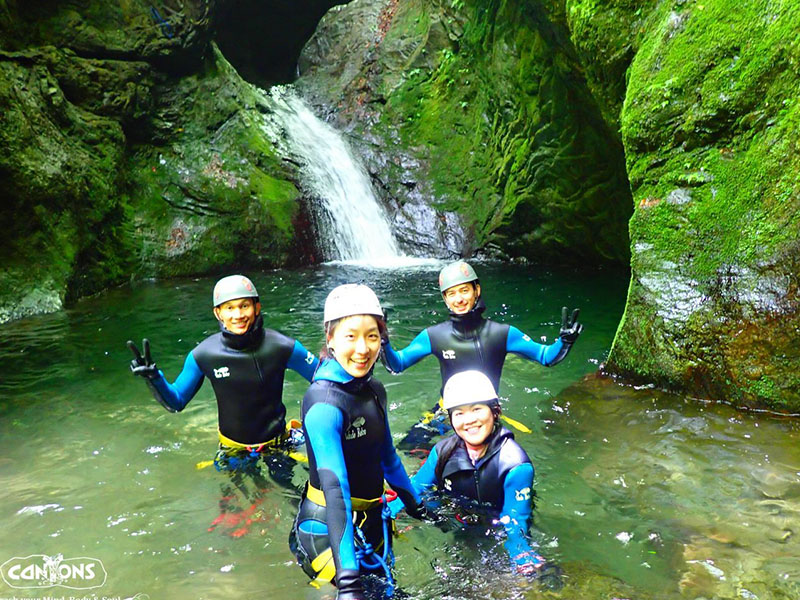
(247, 373)
(470, 341)
(465, 342)
(498, 485)
(350, 453)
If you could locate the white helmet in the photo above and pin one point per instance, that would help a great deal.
(233, 287)
(468, 387)
(351, 299)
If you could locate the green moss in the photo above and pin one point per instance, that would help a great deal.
(710, 126)
(278, 198)
(510, 149)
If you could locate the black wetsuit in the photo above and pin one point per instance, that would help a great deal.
(247, 373)
(469, 341)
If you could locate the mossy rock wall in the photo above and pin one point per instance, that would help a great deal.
(494, 118)
(129, 147)
(710, 125)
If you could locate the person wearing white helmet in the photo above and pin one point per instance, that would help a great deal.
(350, 452)
(482, 467)
(467, 340)
(245, 363)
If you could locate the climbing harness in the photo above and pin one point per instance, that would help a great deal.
(366, 554)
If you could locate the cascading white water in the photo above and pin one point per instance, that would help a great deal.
(351, 222)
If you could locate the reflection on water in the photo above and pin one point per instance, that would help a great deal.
(641, 495)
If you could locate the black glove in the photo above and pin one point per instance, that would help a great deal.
(570, 328)
(349, 584)
(143, 366)
(423, 513)
(382, 354)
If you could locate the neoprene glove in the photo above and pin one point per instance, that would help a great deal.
(143, 366)
(570, 328)
(423, 513)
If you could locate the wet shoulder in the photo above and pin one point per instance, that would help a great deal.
(323, 391)
(512, 454)
(210, 346)
(496, 329)
(277, 339)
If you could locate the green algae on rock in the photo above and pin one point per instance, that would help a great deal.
(127, 152)
(710, 126)
(488, 100)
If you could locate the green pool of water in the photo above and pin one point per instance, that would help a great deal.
(641, 495)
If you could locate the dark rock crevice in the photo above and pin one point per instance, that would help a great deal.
(263, 40)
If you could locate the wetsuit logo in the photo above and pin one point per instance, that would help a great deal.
(222, 372)
(309, 358)
(448, 485)
(357, 429)
(449, 354)
(42, 571)
(523, 494)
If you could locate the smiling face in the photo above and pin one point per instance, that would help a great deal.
(461, 298)
(238, 315)
(472, 423)
(356, 343)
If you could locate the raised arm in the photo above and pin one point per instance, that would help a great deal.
(399, 361)
(302, 361)
(172, 396)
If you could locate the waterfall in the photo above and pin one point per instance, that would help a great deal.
(351, 223)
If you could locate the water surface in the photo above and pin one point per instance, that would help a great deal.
(642, 495)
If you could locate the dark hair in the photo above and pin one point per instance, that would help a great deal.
(450, 444)
(330, 326)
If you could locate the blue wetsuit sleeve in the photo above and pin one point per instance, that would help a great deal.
(395, 473)
(302, 361)
(324, 424)
(178, 394)
(425, 478)
(516, 514)
(418, 349)
(520, 343)
(422, 481)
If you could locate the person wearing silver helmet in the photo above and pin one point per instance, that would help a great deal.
(245, 363)
(341, 531)
(467, 340)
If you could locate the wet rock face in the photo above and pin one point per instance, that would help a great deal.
(483, 111)
(711, 149)
(129, 147)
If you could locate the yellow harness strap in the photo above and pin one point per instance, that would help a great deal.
(317, 496)
(273, 443)
(516, 424)
(324, 565)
